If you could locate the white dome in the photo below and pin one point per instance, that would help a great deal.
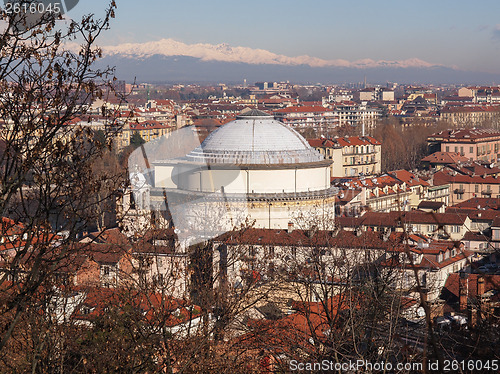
(254, 138)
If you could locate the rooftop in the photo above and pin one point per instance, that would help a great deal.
(254, 138)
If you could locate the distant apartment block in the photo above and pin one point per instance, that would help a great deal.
(375, 94)
(149, 130)
(340, 96)
(475, 144)
(307, 116)
(271, 87)
(481, 94)
(352, 156)
(470, 115)
(353, 114)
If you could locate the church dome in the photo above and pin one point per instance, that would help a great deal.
(254, 138)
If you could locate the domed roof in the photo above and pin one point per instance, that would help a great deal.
(255, 138)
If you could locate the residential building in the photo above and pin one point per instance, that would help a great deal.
(149, 130)
(307, 116)
(438, 160)
(433, 261)
(465, 187)
(386, 193)
(475, 144)
(375, 94)
(470, 115)
(353, 114)
(439, 225)
(352, 156)
(481, 94)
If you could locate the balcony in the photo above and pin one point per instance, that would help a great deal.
(358, 162)
(358, 154)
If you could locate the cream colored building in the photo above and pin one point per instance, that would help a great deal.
(352, 156)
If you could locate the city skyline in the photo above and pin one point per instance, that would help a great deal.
(459, 35)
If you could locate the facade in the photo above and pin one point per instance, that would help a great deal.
(352, 156)
(475, 144)
(470, 116)
(395, 191)
(433, 261)
(149, 130)
(440, 225)
(481, 94)
(376, 94)
(465, 187)
(353, 114)
(307, 116)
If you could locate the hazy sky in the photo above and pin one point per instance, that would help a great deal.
(460, 33)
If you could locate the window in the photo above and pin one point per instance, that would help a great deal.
(471, 150)
(447, 148)
(476, 188)
(251, 251)
(462, 151)
(456, 149)
(105, 270)
(270, 251)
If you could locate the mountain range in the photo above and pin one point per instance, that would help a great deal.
(168, 60)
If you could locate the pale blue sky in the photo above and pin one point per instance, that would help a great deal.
(458, 33)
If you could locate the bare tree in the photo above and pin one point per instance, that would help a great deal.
(46, 175)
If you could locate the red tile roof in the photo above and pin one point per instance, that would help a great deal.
(445, 158)
(451, 289)
(465, 135)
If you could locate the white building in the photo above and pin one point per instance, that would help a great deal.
(254, 170)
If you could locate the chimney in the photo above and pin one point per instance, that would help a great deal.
(462, 290)
(480, 286)
(424, 295)
(290, 227)
(484, 307)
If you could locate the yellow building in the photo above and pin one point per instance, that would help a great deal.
(149, 130)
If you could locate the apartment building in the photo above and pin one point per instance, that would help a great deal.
(353, 114)
(470, 115)
(465, 187)
(396, 191)
(307, 116)
(475, 144)
(149, 130)
(481, 94)
(375, 94)
(352, 156)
